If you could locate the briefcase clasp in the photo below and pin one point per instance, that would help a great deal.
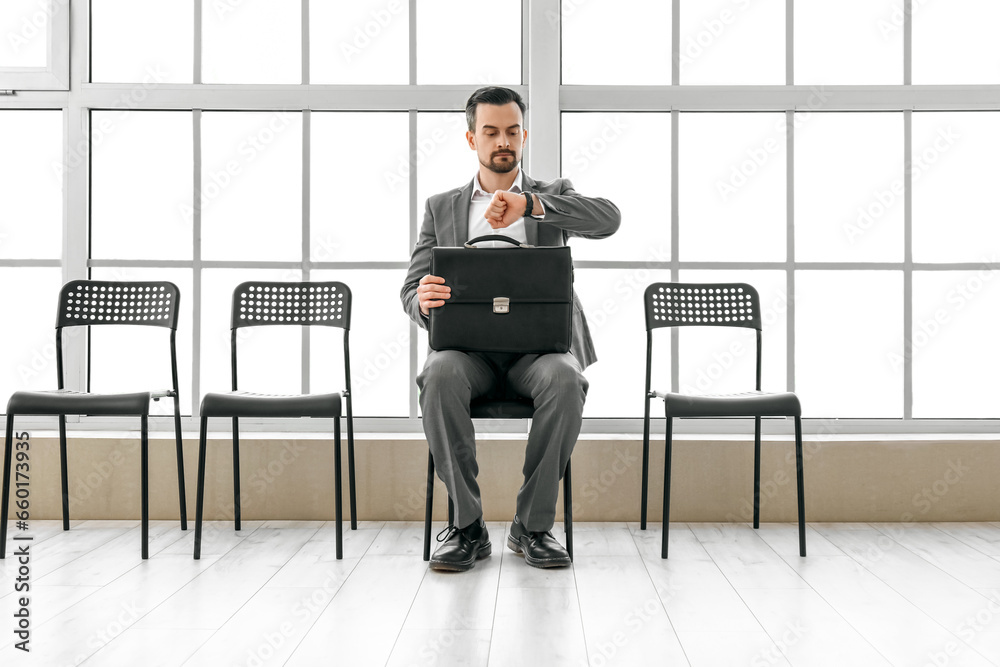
(501, 304)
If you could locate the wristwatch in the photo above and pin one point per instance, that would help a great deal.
(531, 202)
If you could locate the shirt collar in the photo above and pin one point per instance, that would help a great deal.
(477, 188)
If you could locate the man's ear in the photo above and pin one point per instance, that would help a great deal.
(471, 138)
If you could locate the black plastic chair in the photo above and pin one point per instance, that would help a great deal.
(256, 304)
(718, 305)
(90, 303)
(492, 408)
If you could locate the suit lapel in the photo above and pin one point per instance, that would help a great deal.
(460, 214)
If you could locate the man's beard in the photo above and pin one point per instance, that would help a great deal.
(501, 167)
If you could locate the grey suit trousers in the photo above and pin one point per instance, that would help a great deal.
(555, 382)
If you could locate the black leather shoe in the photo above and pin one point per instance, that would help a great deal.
(462, 547)
(540, 549)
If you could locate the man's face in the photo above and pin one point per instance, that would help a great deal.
(499, 137)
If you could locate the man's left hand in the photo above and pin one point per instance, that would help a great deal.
(505, 208)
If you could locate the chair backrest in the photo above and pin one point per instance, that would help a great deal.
(258, 303)
(92, 302)
(328, 304)
(98, 302)
(701, 304)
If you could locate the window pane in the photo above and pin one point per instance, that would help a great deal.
(955, 365)
(380, 345)
(955, 42)
(732, 42)
(601, 153)
(631, 52)
(29, 360)
(31, 184)
(142, 185)
(362, 42)
(24, 25)
(850, 370)
(721, 360)
(137, 358)
(849, 187)
(350, 173)
(142, 41)
(732, 187)
(954, 171)
(450, 37)
(865, 35)
(444, 159)
(251, 184)
(270, 357)
(612, 302)
(252, 42)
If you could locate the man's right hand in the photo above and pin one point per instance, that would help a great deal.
(431, 293)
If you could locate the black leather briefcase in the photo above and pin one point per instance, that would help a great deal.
(503, 299)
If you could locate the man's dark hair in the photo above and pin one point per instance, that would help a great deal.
(491, 95)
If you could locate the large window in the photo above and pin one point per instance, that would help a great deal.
(209, 143)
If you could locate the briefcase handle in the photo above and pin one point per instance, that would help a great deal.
(496, 237)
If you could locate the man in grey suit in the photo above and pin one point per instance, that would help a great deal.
(502, 199)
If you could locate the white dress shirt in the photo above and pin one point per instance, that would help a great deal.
(478, 226)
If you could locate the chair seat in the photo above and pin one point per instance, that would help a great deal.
(748, 404)
(485, 408)
(68, 402)
(247, 404)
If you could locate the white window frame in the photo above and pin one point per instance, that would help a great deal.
(55, 74)
(547, 99)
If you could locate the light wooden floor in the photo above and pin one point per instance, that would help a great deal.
(273, 594)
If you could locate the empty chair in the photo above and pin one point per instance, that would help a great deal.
(92, 303)
(256, 303)
(717, 305)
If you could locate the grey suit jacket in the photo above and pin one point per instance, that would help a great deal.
(567, 214)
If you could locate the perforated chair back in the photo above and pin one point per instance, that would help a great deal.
(702, 304)
(258, 303)
(93, 302)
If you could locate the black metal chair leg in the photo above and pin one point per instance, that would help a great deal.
(337, 490)
(144, 475)
(451, 512)
(756, 473)
(8, 454)
(667, 454)
(428, 506)
(63, 471)
(645, 468)
(801, 486)
(350, 471)
(181, 490)
(200, 503)
(236, 472)
(568, 507)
